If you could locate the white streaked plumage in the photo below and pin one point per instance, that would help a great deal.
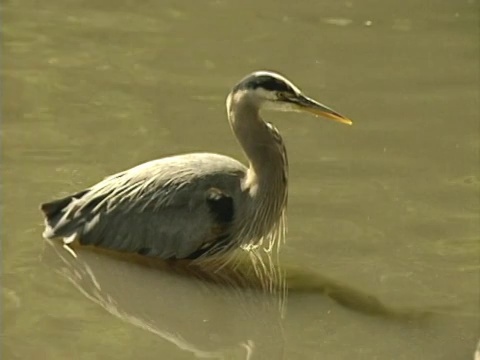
(196, 205)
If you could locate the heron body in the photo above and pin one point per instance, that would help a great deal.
(194, 205)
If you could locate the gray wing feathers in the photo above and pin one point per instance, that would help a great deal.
(158, 208)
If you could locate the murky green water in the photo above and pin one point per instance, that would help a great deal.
(389, 206)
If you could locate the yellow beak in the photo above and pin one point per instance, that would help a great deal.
(306, 104)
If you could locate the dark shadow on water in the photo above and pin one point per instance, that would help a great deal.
(191, 305)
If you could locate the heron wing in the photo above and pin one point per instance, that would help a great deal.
(175, 207)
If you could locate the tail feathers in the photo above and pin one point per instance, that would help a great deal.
(54, 213)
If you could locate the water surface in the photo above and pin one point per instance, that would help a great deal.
(389, 206)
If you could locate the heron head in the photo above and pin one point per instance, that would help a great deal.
(273, 91)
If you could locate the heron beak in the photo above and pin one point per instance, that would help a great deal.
(306, 104)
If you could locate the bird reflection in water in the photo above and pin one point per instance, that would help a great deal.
(212, 314)
(191, 305)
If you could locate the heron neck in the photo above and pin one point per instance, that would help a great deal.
(266, 176)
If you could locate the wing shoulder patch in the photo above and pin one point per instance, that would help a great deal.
(221, 206)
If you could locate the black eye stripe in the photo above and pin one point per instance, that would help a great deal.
(271, 84)
(266, 82)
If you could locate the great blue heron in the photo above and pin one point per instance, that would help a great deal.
(200, 204)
